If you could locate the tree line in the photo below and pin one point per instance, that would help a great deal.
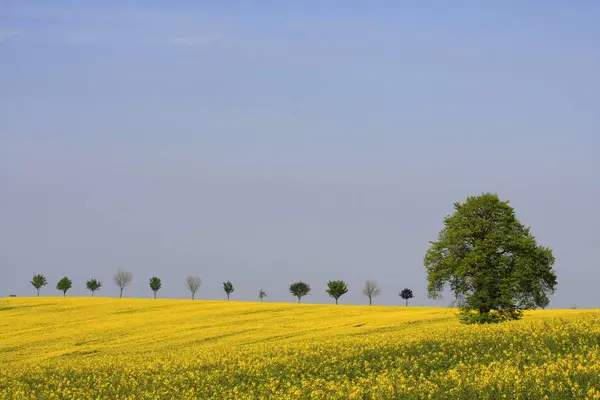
(484, 255)
(300, 289)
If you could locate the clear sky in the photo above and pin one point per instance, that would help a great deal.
(266, 142)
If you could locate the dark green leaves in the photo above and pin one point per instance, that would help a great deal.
(93, 285)
(299, 289)
(64, 284)
(228, 288)
(336, 289)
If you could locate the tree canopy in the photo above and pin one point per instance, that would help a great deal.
(38, 281)
(63, 285)
(406, 294)
(155, 284)
(490, 261)
(299, 289)
(336, 289)
(93, 285)
(228, 288)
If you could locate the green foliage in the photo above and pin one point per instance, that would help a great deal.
(63, 285)
(93, 285)
(261, 295)
(490, 262)
(336, 289)
(38, 281)
(406, 294)
(299, 289)
(155, 284)
(228, 288)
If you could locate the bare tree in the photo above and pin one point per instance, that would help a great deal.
(122, 279)
(371, 290)
(193, 284)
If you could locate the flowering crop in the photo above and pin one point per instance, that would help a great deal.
(90, 348)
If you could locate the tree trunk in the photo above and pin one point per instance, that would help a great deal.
(298, 299)
(228, 297)
(155, 295)
(121, 294)
(65, 293)
(370, 301)
(406, 302)
(193, 295)
(92, 293)
(336, 301)
(38, 292)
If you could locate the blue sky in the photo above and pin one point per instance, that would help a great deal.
(268, 142)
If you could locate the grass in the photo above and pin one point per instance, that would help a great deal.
(149, 349)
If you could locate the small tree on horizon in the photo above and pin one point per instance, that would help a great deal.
(63, 285)
(299, 289)
(228, 288)
(371, 290)
(155, 284)
(38, 281)
(193, 284)
(261, 295)
(93, 285)
(122, 279)
(406, 294)
(336, 289)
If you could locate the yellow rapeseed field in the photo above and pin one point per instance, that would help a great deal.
(91, 348)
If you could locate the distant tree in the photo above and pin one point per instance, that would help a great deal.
(228, 288)
(336, 289)
(93, 285)
(490, 261)
(406, 294)
(261, 295)
(193, 284)
(299, 289)
(371, 290)
(122, 279)
(63, 285)
(38, 281)
(155, 284)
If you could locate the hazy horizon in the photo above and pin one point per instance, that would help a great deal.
(265, 144)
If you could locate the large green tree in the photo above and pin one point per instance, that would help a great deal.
(336, 289)
(64, 285)
(299, 289)
(490, 261)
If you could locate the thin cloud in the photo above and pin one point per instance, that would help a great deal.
(8, 34)
(195, 41)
